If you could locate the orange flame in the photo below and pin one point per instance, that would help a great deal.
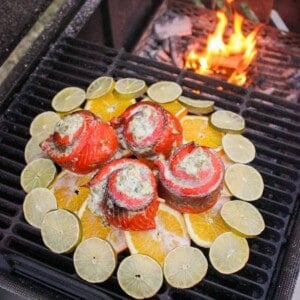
(220, 57)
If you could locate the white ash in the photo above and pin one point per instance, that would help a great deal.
(177, 25)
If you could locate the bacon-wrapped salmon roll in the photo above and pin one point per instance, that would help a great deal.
(148, 130)
(81, 142)
(124, 192)
(191, 179)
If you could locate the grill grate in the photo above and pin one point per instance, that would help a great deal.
(272, 124)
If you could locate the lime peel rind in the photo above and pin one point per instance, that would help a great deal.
(185, 266)
(244, 182)
(94, 260)
(243, 218)
(164, 91)
(140, 276)
(100, 87)
(61, 230)
(227, 121)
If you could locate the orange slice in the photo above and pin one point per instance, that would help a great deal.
(170, 232)
(205, 227)
(199, 130)
(94, 226)
(70, 190)
(109, 106)
(175, 108)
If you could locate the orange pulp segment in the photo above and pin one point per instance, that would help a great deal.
(205, 227)
(175, 108)
(70, 190)
(94, 226)
(170, 232)
(199, 130)
(108, 106)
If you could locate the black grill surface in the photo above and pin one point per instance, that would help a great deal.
(272, 124)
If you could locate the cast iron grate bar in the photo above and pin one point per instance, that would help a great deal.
(272, 124)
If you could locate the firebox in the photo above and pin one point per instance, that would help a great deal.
(88, 39)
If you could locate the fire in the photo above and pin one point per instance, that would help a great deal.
(231, 58)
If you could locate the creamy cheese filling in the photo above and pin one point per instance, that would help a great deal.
(194, 162)
(69, 125)
(134, 181)
(143, 123)
(97, 193)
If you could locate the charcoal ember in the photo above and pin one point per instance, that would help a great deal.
(293, 96)
(267, 90)
(177, 52)
(161, 55)
(176, 25)
(152, 43)
(288, 73)
(296, 80)
(166, 46)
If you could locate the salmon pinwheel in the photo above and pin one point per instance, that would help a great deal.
(124, 192)
(148, 130)
(81, 142)
(191, 179)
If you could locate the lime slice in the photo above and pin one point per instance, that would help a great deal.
(36, 204)
(197, 106)
(68, 99)
(227, 121)
(140, 276)
(61, 230)
(100, 87)
(94, 260)
(229, 253)
(185, 266)
(44, 122)
(244, 182)
(38, 173)
(238, 148)
(33, 150)
(243, 217)
(130, 87)
(164, 91)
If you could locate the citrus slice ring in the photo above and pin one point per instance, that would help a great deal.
(184, 267)
(68, 99)
(95, 226)
(243, 217)
(238, 148)
(61, 230)
(244, 182)
(38, 173)
(227, 121)
(175, 108)
(205, 227)
(100, 87)
(164, 91)
(140, 276)
(36, 204)
(44, 123)
(169, 233)
(70, 189)
(94, 260)
(197, 106)
(33, 150)
(109, 106)
(199, 130)
(229, 253)
(130, 87)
